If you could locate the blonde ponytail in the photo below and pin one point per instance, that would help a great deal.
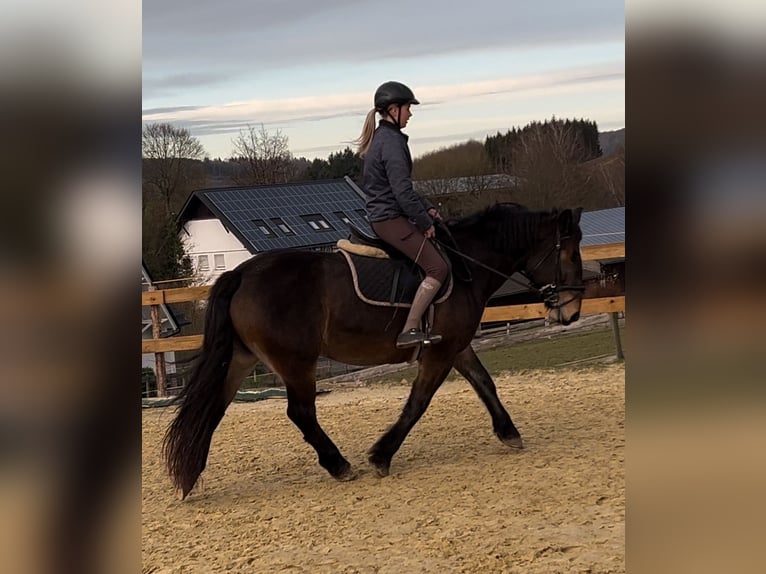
(365, 138)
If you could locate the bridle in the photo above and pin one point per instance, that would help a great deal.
(549, 292)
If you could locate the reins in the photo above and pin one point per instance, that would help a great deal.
(549, 292)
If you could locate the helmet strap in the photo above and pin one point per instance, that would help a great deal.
(398, 119)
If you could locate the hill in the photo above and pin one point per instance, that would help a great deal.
(612, 142)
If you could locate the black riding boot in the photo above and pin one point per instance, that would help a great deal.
(412, 336)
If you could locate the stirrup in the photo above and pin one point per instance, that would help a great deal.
(432, 340)
(415, 337)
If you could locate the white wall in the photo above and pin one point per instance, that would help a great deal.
(209, 237)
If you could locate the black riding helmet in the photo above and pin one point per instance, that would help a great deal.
(393, 93)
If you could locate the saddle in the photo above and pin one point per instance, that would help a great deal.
(383, 275)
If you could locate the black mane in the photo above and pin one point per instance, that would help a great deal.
(512, 226)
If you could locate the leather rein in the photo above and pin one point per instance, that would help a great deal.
(549, 292)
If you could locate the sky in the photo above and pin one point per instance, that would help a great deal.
(309, 68)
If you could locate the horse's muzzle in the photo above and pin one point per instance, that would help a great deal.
(568, 312)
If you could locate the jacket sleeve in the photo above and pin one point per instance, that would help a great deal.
(398, 172)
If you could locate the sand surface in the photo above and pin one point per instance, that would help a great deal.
(457, 499)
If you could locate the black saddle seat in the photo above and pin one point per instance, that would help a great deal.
(369, 238)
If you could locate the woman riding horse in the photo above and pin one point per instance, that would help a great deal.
(397, 214)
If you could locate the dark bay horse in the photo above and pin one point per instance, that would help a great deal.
(287, 308)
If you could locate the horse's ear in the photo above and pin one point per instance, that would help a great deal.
(569, 218)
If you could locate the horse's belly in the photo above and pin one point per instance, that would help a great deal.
(363, 349)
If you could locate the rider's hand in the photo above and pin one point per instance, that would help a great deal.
(434, 213)
(430, 233)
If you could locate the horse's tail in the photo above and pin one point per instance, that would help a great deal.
(202, 400)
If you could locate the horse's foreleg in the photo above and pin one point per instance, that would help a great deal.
(469, 365)
(431, 375)
(301, 409)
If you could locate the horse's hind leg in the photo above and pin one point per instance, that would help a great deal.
(241, 365)
(468, 365)
(301, 409)
(431, 375)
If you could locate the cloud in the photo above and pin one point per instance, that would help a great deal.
(581, 76)
(168, 110)
(254, 37)
(186, 80)
(232, 117)
(202, 61)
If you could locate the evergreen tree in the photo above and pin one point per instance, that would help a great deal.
(337, 165)
(345, 163)
(500, 147)
(165, 254)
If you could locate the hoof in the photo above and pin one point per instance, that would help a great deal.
(382, 467)
(346, 474)
(513, 442)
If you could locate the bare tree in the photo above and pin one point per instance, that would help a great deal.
(462, 168)
(612, 177)
(547, 163)
(167, 151)
(263, 157)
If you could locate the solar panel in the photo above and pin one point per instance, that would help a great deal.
(310, 214)
(603, 226)
(296, 215)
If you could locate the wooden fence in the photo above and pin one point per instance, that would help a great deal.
(156, 297)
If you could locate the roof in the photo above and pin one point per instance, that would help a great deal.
(297, 215)
(603, 226)
(465, 184)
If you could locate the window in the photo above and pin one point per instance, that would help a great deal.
(203, 263)
(261, 226)
(279, 223)
(343, 217)
(220, 262)
(317, 222)
(362, 212)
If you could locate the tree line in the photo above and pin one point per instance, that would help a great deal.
(551, 163)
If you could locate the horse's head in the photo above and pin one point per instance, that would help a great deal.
(555, 268)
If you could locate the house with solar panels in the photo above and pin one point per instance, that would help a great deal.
(224, 227)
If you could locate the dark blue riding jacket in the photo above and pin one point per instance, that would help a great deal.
(387, 181)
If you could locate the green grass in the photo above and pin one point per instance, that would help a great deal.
(543, 353)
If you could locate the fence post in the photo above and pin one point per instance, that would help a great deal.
(159, 358)
(617, 340)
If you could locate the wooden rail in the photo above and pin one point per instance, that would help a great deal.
(183, 343)
(491, 314)
(605, 251)
(538, 310)
(179, 295)
(156, 297)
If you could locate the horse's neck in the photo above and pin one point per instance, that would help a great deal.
(495, 267)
